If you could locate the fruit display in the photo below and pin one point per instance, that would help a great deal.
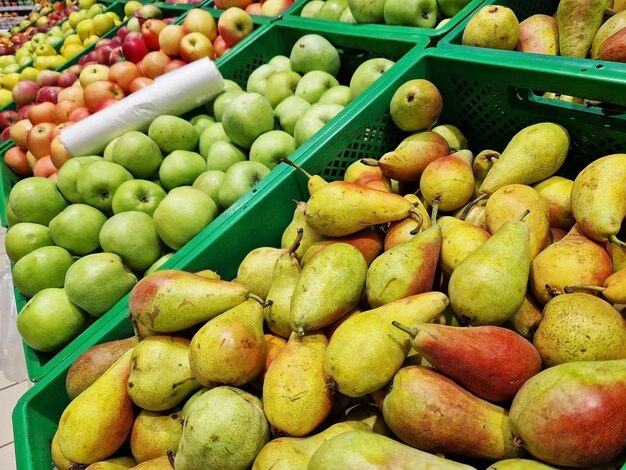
(394, 317)
(256, 7)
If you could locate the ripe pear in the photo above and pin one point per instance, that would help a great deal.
(296, 397)
(160, 375)
(406, 269)
(556, 191)
(352, 360)
(511, 200)
(526, 320)
(460, 239)
(489, 286)
(613, 289)
(315, 182)
(578, 22)
(416, 105)
(573, 260)
(519, 464)
(230, 348)
(453, 135)
(494, 372)
(428, 411)
(539, 34)
(58, 459)
(580, 327)
(294, 453)
(599, 198)
(255, 270)
(367, 175)
(309, 236)
(97, 422)
(532, 155)
(330, 285)
(404, 230)
(618, 256)
(608, 29)
(273, 345)
(481, 165)
(226, 429)
(340, 208)
(368, 241)
(155, 433)
(369, 414)
(448, 179)
(160, 463)
(614, 48)
(494, 27)
(573, 414)
(171, 300)
(363, 450)
(117, 463)
(474, 214)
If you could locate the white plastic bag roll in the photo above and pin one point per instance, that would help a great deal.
(176, 92)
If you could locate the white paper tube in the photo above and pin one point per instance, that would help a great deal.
(175, 92)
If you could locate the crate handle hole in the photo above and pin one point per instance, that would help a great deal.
(583, 70)
(600, 66)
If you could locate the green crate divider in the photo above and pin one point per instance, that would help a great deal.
(238, 64)
(373, 30)
(488, 102)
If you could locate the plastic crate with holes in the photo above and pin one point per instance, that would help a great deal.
(488, 102)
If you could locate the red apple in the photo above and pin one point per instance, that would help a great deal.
(116, 55)
(48, 94)
(38, 139)
(25, 92)
(170, 20)
(58, 153)
(79, 114)
(150, 31)
(176, 63)
(6, 134)
(139, 83)
(66, 79)
(103, 42)
(19, 131)
(8, 118)
(254, 9)
(200, 21)
(44, 167)
(15, 158)
(223, 4)
(74, 93)
(42, 112)
(123, 73)
(122, 32)
(170, 37)
(96, 92)
(234, 25)
(22, 111)
(220, 46)
(75, 69)
(275, 7)
(58, 128)
(63, 109)
(103, 53)
(105, 103)
(48, 78)
(194, 46)
(154, 62)
(117, 41)
(134, 47)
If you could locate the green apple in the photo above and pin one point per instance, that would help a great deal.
(281, 85)
(138, 153)
(314, 84)
(367, 73)
(173, 133)
(280, 63)
(312, 8)
(313, 120)
(137, 195)
(209, 183)
(96, 282)
(223, 154)
(200, 122)
(268, 148)
(348, 17)
(40, 269)
(133, 237)
(107, 154)
(222, 100)
(258, 78)
(24, 237)
(451, 7)
(158, 263)
(229, 85)
(182, 215)
(36, 200)
(67, 176)
(77, 228)
(98, 182)
(367, 11)
(339, 94)
(181, 168)
(421, 13)
(213, 133)
(314, 52)
(247, 117)
(11, 217)
(49, 320)
(332, 10)
(289, 111)
(239, 179)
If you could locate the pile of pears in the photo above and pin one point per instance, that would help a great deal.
(433, 309)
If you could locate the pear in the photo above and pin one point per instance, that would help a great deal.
(93, 362)
(539, 34)
(578, 22)
(369, 414)
(526, 320)
(556, 234)
(489, 286)
(609, 28)
(532, 155)
(618, 256)
(208, 274)
(294, 453)
(330, 284)
(309, 236)
(519, 464)
(368, 241)
(573, 260)
(404, 230)
(155, 433)
(494, 372)
(460, 239)
(556, 191)
(353, 359)
(613, 289)
(573, 414)
(614, 48)
(406, 269)
(171, 300)
(363, 450)
(284, 278)
(511, 200)
(494, 27)
(481, 165)
(453, 135)
(255, 270)
(428, 411)
(340, 208)
(226, 430)
(230, 348)
(474, 213)
(117, 463)
(97, 422)
(450, 180)
(599, 198)
(296, 398)
(466, 156)
(160, 375)
(160, 463)
(580, 327)
(367, 175)
(58, 459)
(315, 182)
(273, 345)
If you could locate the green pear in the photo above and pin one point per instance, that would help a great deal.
(556, 191)
(25, 237)
(519, 464)
(155, 433)
(116, 463)
(369, 414)
(526, 320)
(172, 133)
(42, 268)
(255, 270)
(309, 235)
(494, 27)
(460, 239)
(578, 22)
(225, 429)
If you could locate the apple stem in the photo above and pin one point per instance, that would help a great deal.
(470, 205)
(570, 289)
(296, 243)
(613, 239)
(369, 162)
(297, 167)
(412, 332)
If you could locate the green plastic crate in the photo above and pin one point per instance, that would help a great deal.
(489, 103)
(238, 64)
(373, 30)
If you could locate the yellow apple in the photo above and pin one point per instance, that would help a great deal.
(10, 80)
(72, 39)
(29, 73)
(86, 4)
(91, 40)
(71, 50)
(76, 17)
(5, 96)
(103, 23)
(131, 7)
(85, 29)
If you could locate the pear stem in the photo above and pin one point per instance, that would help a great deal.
(435, 204)
(524, 214)
(264, 303)
(296, 242)
(170, 457)
(613, 239)
(609, 13)
(570, 289)
(420, 222)
(133, 322)
(552, 292)
(297, 167)
(470, 205)
(412, 332)
(369, 161)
